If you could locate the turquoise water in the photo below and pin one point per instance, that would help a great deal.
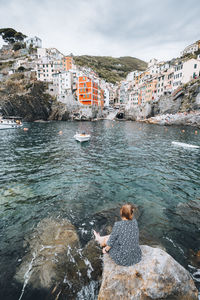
(47, 173)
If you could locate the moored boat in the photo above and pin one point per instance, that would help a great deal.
(82, 137)
(10, 122)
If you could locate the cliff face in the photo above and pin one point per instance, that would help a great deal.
(20, 96)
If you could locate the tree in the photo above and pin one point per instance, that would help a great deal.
(18, 46)
(11, 36)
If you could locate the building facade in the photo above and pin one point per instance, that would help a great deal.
(35, 42)
(67, 63)
(88, 91)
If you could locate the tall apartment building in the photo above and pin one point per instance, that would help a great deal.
(63, 81)
(45, 68)
(67, 63)
(88, 91)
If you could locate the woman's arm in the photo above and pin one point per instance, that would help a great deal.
(112, 239)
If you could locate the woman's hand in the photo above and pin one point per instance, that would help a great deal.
(104, 250)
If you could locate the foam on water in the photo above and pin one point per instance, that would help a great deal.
(185, 145)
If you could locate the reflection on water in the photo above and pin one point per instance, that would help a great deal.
(45, 173)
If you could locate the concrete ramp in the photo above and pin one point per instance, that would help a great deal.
(112, 115)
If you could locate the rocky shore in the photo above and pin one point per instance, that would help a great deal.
(186, 118)
(58, 264)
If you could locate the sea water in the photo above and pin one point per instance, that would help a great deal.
(44, 172)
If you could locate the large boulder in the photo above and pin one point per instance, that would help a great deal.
(157, 276)
(56, 265)
(46, 248)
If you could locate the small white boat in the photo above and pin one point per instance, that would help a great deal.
(10, 122)
(185, 145)
(82, 137)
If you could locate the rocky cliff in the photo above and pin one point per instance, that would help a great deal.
(27, 98)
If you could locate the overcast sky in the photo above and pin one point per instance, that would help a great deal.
(143, 28)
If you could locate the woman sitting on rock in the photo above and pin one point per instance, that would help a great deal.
(123, 242)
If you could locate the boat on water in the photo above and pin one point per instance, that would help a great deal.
(82, 137)
(10, 122)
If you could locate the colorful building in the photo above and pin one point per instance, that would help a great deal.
(151, 90)
(88, 91)
(67, 63)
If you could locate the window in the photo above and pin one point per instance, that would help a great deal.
(195, 66)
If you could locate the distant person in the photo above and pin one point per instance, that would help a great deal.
(123, 242)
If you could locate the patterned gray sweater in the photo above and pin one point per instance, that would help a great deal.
(124, 243)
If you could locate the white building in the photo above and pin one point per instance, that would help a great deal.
(132, 99)
(185, 72)
(106, 97)
(112, 95)
(191, 48)
(45, 68)
(123, 93)
(62, 83)
(35, 41)
(153, 67)
(49, 53)
(132, 75)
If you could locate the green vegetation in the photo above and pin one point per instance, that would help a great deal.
(18, 46)
(6, 64)
(11, 36)
(109, 68)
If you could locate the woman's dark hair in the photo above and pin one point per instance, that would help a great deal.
(127, 211)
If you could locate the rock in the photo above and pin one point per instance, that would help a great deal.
(55, 264)
(93, 253)
(157, 276)
(48, 245)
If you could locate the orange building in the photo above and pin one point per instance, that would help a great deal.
(88, 92)
(67, 63)
(151, 90)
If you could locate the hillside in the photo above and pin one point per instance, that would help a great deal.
(109, 68)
